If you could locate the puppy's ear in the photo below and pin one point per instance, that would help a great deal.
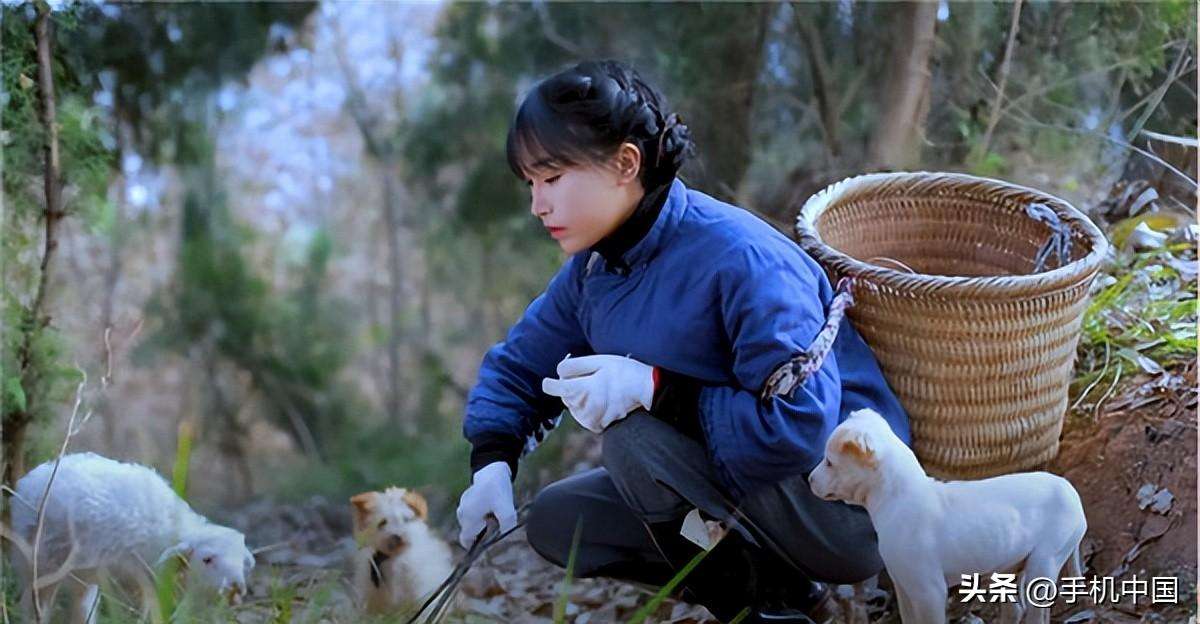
(363, 504)
(418, 504)
(857, 446)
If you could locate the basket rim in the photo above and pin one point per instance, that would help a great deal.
(977, 287)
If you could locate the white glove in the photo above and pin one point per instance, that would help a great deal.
(490, 493)
(602, 389)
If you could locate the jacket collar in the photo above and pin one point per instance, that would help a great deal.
(637, 240)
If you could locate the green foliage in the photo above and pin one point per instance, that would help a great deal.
(1079, 72)
(282, 595)
(35, 368)
(9, 593)
(90, 44)
(159, 56)
(50, 378)
(376, 457)
(1143, 319)
(489, 54)
(83, 132)
(13, 393)
(22, 131)
(318, 605)
(991, 165)
(183, 456)
(293, 344)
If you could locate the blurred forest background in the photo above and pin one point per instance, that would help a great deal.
(288, 229)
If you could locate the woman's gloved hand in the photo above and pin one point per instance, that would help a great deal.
(602, 389)
(490, 493)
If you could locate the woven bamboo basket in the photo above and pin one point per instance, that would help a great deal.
(977, 344)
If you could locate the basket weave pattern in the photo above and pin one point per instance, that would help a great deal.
(977, 346)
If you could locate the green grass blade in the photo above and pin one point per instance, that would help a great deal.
(165, 581)
(183, 454)
(640, 616)
(560, 605)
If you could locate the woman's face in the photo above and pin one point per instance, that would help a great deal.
(581, 204)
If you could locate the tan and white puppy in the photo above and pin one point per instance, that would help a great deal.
(932, 532)
(400, 561)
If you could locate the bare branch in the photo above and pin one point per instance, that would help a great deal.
(1005, 65)
(851, 90)
(822, 83)
(551, 33)
(72, 428)
(106, 379)
(1033, 122)
(1123, 63)
(1158, 94)
(30, 553)
(1028, 118)
(53, 176)
(1168, 138)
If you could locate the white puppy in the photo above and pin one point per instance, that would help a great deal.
(932, 532)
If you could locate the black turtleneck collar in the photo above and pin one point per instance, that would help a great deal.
(613, 247)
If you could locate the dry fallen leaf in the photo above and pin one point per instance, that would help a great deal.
(1143, 237)
(1161, 502)
(1145, 493)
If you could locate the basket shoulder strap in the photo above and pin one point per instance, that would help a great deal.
(794, 372)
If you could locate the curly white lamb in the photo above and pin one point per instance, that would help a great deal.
(120, 519)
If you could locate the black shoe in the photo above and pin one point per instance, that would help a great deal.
(818, 606)
(786, 591)
(725, 579)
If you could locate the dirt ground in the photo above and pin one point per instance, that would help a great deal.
(1144, 440)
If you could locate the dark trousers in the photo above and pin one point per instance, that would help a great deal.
(653, 474)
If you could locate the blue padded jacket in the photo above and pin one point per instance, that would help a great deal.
(710, 292)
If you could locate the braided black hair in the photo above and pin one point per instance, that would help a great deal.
(583, 115)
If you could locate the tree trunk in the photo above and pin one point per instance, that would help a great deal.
(391, 218)
(112, 276)
(487, 306)
(234, 434)
(719, 115)
(897, 142)
(379, 371)
(17, 421)
(823, 87)
(381, 150)
(425, 331)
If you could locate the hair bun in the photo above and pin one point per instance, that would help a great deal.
(570, 87)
